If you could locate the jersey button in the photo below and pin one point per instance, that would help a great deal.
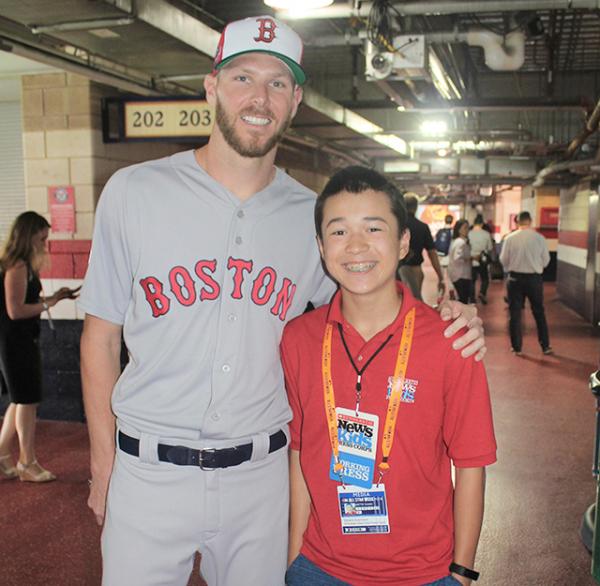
(215, 416)
(240, 214)
(226, 368)
(232, 317)
(360, 358)
(238, 240)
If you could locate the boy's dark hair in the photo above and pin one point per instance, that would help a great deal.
(449, 219)
(456, 230)
(478, 220)
(357, 179)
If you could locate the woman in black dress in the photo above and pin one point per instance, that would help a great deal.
(21, 304)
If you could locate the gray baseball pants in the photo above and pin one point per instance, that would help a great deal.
(159, 514)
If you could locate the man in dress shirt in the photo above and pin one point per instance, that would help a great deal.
(524, 256)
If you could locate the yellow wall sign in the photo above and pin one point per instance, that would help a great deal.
(168, 119)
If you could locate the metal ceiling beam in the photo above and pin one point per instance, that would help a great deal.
(107, 78)
(165, 17)
(82, 25)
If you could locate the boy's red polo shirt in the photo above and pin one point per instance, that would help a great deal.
(450, 419)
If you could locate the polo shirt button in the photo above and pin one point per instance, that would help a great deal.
(215, 416)
(360, 358)
(240, 214)
(238, 240)
(232, 317)
(226, 368)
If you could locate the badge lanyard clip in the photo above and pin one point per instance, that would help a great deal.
(358, 391)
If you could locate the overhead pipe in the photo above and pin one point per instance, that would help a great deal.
(81, 25)
(502, 53)
(591, 126)
(436, 8)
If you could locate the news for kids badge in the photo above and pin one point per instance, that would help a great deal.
(357, 438)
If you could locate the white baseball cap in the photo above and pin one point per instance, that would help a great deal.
(262, 34)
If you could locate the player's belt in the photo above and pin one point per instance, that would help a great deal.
(206, 459)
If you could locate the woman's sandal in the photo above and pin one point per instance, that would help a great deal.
(33, 472)
(7, 468)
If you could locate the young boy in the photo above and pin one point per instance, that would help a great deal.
(381, 405)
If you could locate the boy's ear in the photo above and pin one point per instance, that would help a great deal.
(320, 245)
(404, 243)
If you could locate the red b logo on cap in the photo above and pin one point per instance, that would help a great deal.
(266, 30)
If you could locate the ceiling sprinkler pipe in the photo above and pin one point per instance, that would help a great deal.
(501, 53)
(591, 126)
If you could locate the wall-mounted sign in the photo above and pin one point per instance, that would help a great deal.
(61, 204)
(180, 118)
(150, 119)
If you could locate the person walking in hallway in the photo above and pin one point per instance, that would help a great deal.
(21, 304)
(459, 266)
(482, 247)
(410, 270)
(524, 256)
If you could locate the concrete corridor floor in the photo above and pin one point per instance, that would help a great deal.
(544, 417)
(537, 491)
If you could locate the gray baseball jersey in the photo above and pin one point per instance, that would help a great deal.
(203, 285)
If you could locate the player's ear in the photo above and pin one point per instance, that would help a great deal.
(298, 93)
(210, 87)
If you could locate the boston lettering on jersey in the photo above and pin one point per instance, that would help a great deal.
(182, 287)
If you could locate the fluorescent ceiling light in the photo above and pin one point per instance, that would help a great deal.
(434, 127)
(393, 142)
(425, 145)
(401, 167)
(104, 33)
(293, 5)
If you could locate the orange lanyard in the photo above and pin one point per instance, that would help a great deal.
(394, 400)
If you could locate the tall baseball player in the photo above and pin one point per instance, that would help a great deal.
(199, 260)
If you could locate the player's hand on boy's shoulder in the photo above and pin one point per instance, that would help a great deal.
(473, 340)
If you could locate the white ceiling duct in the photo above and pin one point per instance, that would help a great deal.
(501, 53)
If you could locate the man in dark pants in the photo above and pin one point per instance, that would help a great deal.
(524, 256)
(410, 271)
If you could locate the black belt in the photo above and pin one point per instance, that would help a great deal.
(516, 274)
(206, 459)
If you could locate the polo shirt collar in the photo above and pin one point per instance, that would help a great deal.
(335, 315)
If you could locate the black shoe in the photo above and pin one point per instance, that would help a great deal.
(547, 350)
(483, 299)
(516, 352)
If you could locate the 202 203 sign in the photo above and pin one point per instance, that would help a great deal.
(163, 119)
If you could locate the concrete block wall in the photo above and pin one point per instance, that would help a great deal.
(62, 145)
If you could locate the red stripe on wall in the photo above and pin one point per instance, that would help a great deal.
(575, 238)
(68, 259)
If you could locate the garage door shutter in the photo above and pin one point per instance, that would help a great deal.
(12, 183)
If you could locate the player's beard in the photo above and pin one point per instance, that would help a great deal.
(252, 147)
